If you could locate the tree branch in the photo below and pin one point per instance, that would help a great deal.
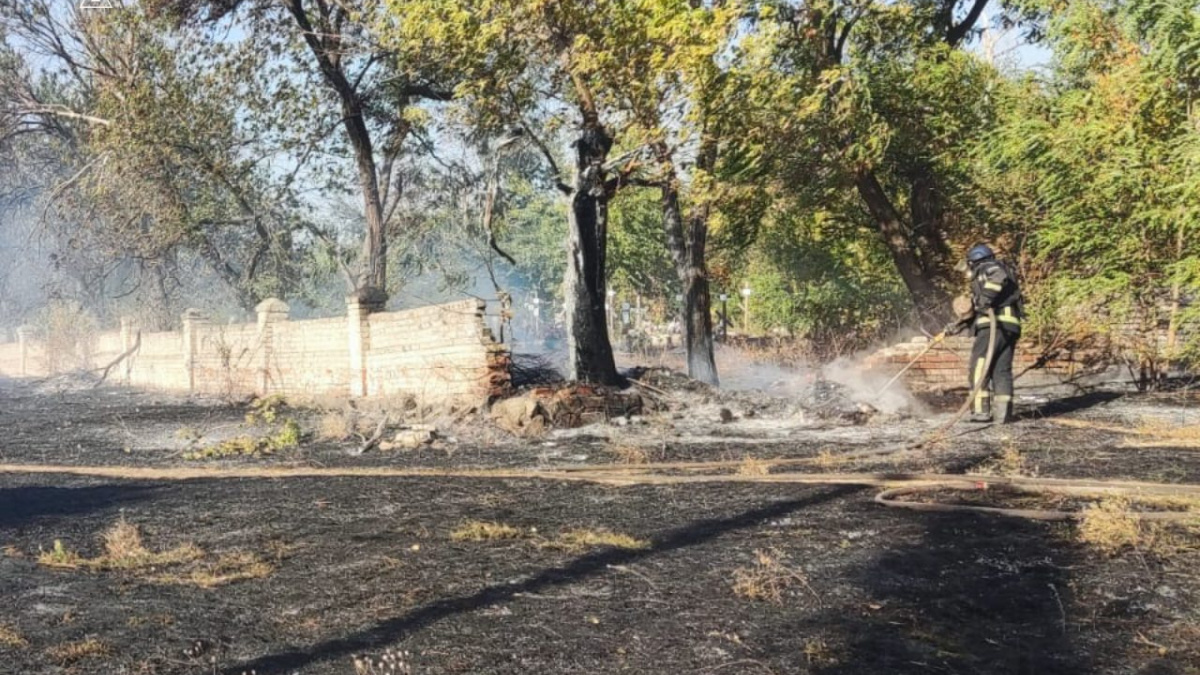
(956, 33)
(59, 111)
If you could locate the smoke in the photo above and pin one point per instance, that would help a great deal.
(865, 386)
(739, 371)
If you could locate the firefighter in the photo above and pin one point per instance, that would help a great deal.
(993, 286)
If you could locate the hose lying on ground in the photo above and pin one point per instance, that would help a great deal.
(888, 498)
(896, 484)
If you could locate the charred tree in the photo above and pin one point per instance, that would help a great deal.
(590, 355)
(687, 239)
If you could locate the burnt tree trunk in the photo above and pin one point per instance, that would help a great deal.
(687, 239)
(589, 352)
(931, 302)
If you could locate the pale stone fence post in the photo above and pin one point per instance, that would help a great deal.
(358, 308)
(23, 335)
(128, 338)
(270, 311)
(192, 320)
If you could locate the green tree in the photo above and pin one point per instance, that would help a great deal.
(349, 81)
(1106, 150)
(882, 95)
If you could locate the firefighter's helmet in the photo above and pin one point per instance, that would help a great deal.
(980, 253)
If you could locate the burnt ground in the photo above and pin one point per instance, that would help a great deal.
(358, 565)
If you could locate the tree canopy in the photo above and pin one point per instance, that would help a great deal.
(834, 156)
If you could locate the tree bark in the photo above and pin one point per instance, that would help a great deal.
(590, 355)
(687, 242)
(326, 46)
(932, 303)
(926, 210)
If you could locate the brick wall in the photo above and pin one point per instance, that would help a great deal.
(944, 367)
(438, 353)
(434, 349)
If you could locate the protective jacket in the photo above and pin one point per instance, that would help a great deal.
(994, 285)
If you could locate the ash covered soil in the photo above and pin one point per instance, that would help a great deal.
(299, 575)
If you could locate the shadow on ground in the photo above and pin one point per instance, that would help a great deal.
(977, 594)
(1072, 404)
(391, 631)
(19, 506)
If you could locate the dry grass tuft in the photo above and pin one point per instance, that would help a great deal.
(227, 569)
(1170, 502)
(123, 542)
(753, 467)
(818, 652)
(123, 550)
(1163, 429)
(478, 530)
(629, 454)
(827, 459)
(1160, 434)
(11, 638)
(1009, 462)
(768, 578)
(579, 540)
(1109, 526)
(1154, 433)
(335, 426)
(72, 652)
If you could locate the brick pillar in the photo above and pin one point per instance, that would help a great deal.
(192, 320)
(358, 308)
(24, 334)
(128, 337)
(270, 312)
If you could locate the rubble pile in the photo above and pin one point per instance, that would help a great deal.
(564, 407)
(832, 401)
(568, 406)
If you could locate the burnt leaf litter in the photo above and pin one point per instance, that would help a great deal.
(363, 567)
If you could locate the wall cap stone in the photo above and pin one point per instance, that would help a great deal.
(272, 306)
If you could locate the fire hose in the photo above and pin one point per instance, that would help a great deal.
(895, 484)
(939, 433)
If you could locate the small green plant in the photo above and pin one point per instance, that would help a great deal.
(189, 434)
(60, 556)
(266, 409)
(242, 446)
(285, 436)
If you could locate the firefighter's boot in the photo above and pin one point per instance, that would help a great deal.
(1004, 410)
(981, 409)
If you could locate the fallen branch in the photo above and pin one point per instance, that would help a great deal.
(651, 388)
(375, 437)
(137, 343)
